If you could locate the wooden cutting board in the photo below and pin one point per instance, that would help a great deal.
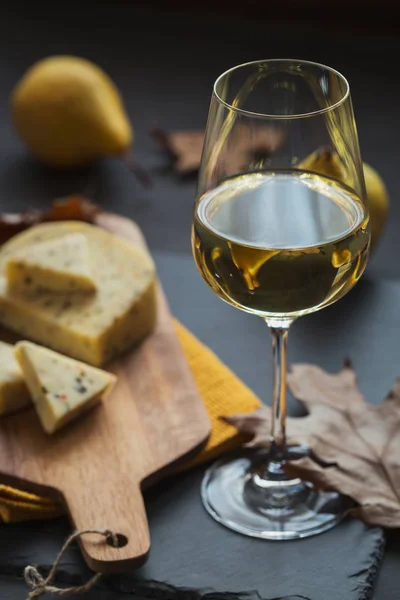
(98, 465)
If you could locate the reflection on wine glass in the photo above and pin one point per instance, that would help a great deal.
(278, 239)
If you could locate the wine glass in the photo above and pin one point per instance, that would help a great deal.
(280, 230)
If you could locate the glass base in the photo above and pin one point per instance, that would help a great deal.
(270, 506)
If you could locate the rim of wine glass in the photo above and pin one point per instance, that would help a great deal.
(285, 117)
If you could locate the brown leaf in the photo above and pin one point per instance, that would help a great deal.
(360, 439)
(247, 148)
(185, 147)
(245, 145)
(71, 208)
(74, 207)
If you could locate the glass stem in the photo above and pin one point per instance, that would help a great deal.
(277, 455)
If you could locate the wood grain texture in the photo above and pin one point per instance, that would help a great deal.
(98, 465)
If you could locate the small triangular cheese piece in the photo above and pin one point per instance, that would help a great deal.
(60, 264)
(13, 392)
(61, 387)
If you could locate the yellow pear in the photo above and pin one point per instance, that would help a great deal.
(378, 202)
(323, 161)
(69, 112)
(327, 163)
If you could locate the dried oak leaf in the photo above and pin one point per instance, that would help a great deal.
(360, 441)
(70, 208)
(243, 146)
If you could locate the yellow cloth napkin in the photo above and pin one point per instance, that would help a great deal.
(223, 394)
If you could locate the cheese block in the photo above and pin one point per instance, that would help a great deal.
(61, 388)
(90, 327)
(13, 392)
(61, 264)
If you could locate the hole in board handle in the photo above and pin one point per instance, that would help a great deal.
(120, 539)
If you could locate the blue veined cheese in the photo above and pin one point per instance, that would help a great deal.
(13, 392)
(60, 264)
(61, 388)
(93, 328)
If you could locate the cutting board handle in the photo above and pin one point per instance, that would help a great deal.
(123, 513)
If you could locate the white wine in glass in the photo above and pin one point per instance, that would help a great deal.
(279, 241)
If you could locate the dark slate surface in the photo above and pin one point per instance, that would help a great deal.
(165, 65)
(192, 552)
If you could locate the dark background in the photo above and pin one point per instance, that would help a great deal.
(165, 58)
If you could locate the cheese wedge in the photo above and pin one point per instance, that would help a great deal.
(61, 388)
(61, 264)
(13, 392)
(96, 327)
